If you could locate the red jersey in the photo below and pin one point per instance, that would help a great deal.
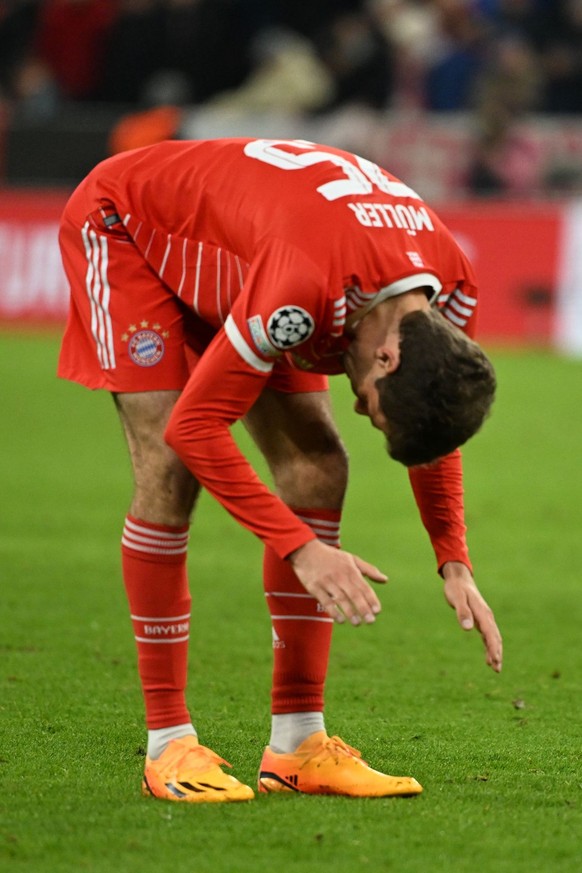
(323, 230)
(280, 247)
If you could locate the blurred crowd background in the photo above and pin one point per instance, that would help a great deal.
(477, 104)
(493, 87)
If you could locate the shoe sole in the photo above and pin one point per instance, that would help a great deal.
(202, 797)
(271, 783)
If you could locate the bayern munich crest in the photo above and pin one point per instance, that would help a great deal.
(146, 348)
(289, 326)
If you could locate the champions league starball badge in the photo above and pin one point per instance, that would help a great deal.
(289, 326)
(146, 348)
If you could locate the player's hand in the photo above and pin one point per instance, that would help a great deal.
(336, 580)
(472, 611)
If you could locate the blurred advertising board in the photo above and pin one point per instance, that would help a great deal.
(32, 281)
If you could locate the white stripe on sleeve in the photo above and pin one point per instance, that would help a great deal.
(242, 347)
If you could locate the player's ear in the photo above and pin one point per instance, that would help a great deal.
(388, 356)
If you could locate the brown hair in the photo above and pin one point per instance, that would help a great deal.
(441, 392)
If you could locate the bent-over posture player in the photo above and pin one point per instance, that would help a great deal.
(221, 280)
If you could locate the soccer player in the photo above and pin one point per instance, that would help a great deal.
(222, 280)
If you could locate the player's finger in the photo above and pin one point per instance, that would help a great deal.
(466, 621)
(333, 607)
(370, 571)
(495, 659)
(493, 645)
(487, 627)
(462, 609)
(465, 615)
(356, 604)
(361, 604)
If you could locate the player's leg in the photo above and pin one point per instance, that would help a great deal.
(125, 333)
(297, 436)
(300, 442)
(154, 552)
(154, 547)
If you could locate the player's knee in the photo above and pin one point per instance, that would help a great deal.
(333, 470)
(164, 489)
(333, 459)
(316, 479)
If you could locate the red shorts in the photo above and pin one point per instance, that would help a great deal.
(127, 331)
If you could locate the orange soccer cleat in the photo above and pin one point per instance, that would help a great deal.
(327, 765)
(191, 773)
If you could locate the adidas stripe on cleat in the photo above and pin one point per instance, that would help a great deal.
(327, 765)
(191, 773)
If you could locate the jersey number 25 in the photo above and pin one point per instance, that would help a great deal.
(361, 177)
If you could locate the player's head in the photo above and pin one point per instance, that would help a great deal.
(440, 393)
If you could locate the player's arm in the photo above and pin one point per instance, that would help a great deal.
(438, 490)
(221, 390)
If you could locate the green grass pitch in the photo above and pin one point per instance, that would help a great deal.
(499, 756)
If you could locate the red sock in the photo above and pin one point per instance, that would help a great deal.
(301, 628)
(154, 573)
